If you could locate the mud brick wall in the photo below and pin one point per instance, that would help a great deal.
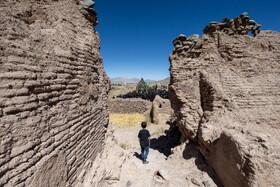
(128, 106)
(53, 93)
(225, 92)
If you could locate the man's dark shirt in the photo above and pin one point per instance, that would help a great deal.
(144, 134)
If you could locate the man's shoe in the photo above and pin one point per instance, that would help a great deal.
(145, 162)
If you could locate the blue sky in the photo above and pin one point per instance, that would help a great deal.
(136, 36)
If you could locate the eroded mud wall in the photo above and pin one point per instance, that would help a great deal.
(225, 92)
(134, 105)
(53, 92)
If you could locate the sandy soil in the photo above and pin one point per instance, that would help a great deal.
(180, 165)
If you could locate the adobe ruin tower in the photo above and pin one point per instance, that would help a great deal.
(225, 92)
(53, 96)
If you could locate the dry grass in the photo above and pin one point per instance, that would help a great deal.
(148, 118)
(123, 89)
(125, 146)
(127, 120)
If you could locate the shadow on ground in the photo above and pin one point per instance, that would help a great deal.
(137, 155)
(165, 143)
(191, 151)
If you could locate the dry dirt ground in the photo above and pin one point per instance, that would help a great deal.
(169, 165)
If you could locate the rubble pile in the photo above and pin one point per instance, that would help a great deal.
(239, 25)
(184, 43)
(86, 8)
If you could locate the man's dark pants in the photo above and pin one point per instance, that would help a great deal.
(144, 152)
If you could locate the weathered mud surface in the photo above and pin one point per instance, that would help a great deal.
(225, 92)
(53, 92)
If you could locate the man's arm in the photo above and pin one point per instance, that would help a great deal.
(149, 138)
(139, 136)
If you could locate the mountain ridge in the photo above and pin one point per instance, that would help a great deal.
(125, 80)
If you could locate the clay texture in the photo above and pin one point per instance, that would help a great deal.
(132, 105)
(225, 92)
(161, 110)
(53, 92)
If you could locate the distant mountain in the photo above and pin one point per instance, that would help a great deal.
(165, 81)
(122, 80)
(149, 80)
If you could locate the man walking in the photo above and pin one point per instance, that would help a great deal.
(144, 139)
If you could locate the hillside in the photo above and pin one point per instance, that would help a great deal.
(164, 82)
(124, 80)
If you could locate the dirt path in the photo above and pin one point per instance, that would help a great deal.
(170, 164)
(185, 167)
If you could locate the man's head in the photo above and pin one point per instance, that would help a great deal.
(143, 125)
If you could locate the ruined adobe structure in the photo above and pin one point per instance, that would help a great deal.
(53, 99)
(161, 111)
(129, 106)
(225, 91)
(53, 96)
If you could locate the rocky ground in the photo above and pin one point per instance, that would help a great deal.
(169, 165)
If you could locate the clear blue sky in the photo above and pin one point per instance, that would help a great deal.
(136, 36)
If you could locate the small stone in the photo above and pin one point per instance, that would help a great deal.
(254, 27)
(243, 32)
(91, 18)
(237, 22)
(186, 47)
(212, 28)
(91, 11)
(178, 46)
(250, 27)
(213, 23)
(189, 43)
(128, 183)
(194, 181)
(226, 20)
(84, 12)
(96, 23)
(182, 37)
(185, 43)
(221, 24)
(244, 14)
(198, 45)
(252, 22)
(176, 42)
(206, 183)
(87, 3)
(163, 173)
(193, 37)
(246, 18)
